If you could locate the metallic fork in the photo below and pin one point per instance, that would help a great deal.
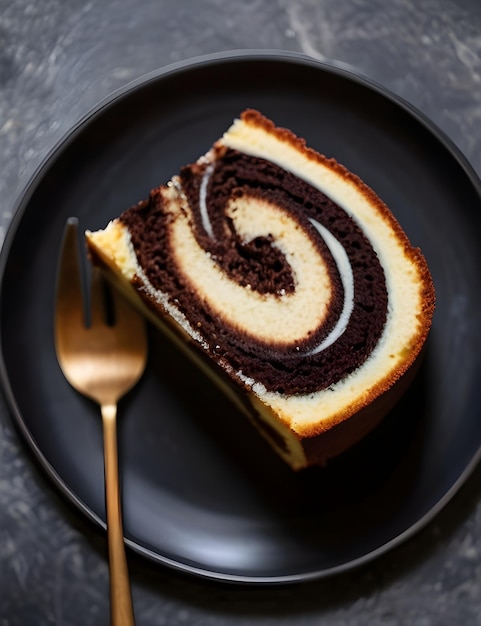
(102, 362)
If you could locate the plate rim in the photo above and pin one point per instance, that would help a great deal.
(21, 204)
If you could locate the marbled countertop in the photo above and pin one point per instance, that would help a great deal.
(59, 58)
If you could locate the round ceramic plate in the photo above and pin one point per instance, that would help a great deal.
(201, 491)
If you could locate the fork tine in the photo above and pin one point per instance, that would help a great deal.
(69, 309)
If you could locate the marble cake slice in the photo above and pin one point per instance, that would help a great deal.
(290, 275)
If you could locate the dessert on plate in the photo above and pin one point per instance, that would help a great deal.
(286, 278)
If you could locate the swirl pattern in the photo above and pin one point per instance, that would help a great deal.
(280, 282)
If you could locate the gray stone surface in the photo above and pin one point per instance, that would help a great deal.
(58, 58)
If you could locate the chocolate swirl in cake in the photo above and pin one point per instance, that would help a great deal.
(278, 280)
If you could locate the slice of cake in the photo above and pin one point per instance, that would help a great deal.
(290, 275)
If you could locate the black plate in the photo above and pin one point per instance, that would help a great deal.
(201, 492)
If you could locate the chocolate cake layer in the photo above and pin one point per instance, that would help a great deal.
(305, 365)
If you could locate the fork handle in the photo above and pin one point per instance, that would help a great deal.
(121, 608)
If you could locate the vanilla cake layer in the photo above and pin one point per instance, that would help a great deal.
(290, 275)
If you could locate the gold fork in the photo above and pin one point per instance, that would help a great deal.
(102, 362)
